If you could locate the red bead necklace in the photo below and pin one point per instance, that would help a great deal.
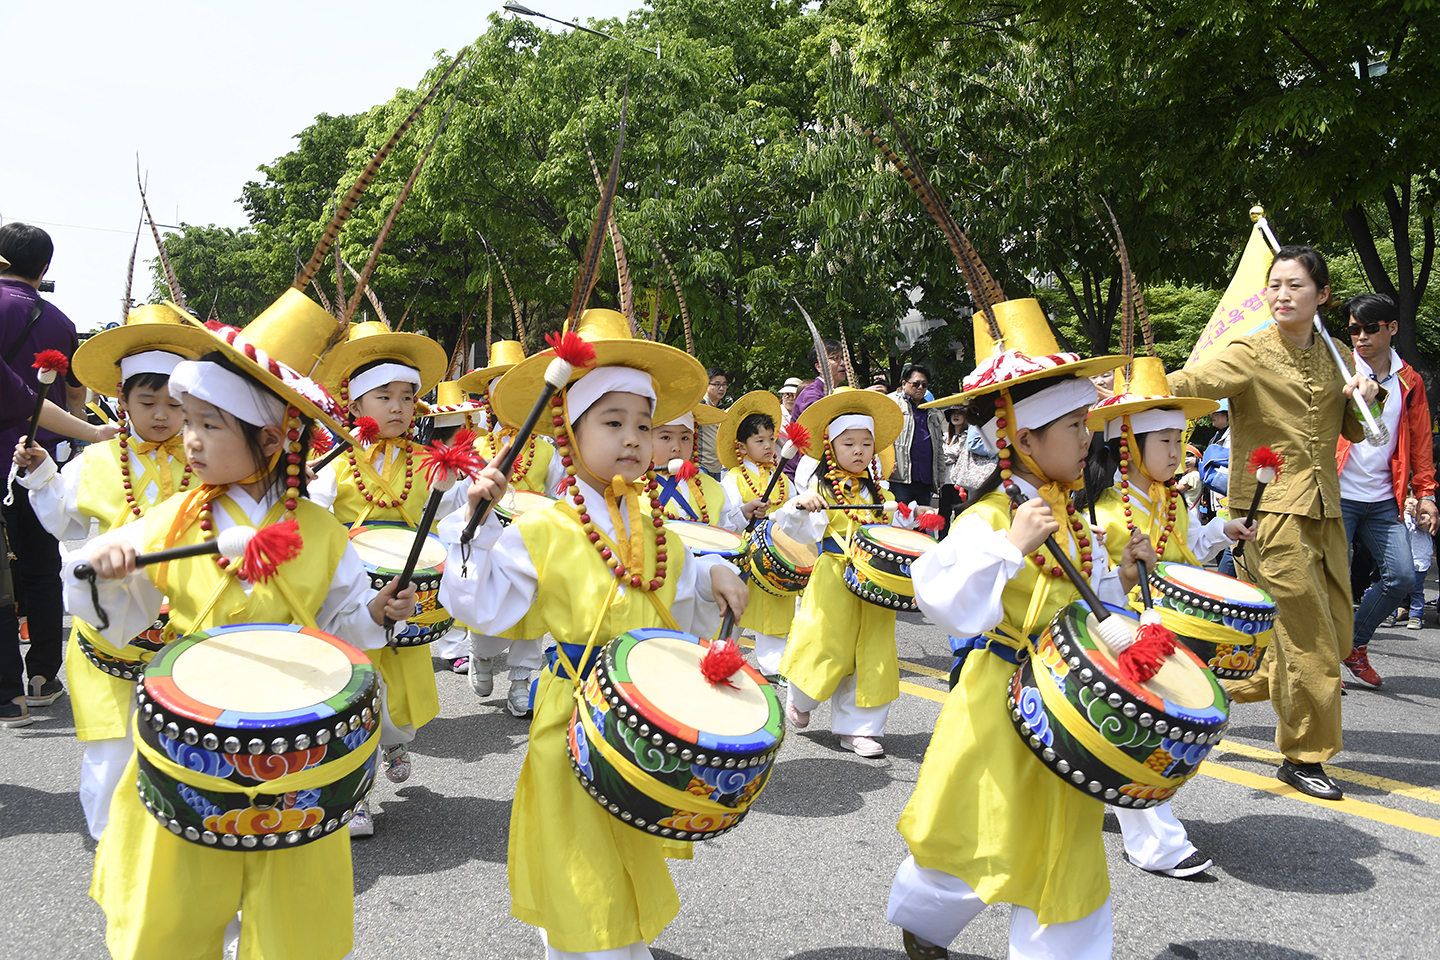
(1077, 525)
(1167, 509)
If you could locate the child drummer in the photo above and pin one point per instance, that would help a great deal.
(248, 419)
(988, 821)
(584, 569)
(379, 374)
(452, 412)
(114, 483)
(1144, 431)
(696, 495)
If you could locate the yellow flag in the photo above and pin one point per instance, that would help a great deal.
(1242, 311)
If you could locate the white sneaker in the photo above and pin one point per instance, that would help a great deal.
(799, 719)
(361, 825)
(867, 747)
(518, 699)
(397, 762)
(482, 676)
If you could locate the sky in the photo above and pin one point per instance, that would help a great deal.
(204, 92)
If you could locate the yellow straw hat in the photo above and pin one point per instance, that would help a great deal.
(373, 340)
(149, 327)
(504, 354)
(678, 378)
(756, 401)
(847, 400)
(1147, 390)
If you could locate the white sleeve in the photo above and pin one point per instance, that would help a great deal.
(500, 582)
(345, 611)
(325, 489)
(800, 525)
(732, 513)
(960, 584)
(805, 471)
(1206, 540)
(55, 498)
(554, 473)
(132, 603)
(695, 610)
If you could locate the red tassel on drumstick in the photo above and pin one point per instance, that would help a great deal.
(366, 430)
(797, 441)
(51, 365)
(1153, 641)
(1265, 464)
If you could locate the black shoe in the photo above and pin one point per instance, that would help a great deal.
(15, 714)
(1194, 864)
(1310, 779)
(917, 949)
(40, 692)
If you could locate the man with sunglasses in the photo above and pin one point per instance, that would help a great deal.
(1374, 480)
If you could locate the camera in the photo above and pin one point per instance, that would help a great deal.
(47, 286)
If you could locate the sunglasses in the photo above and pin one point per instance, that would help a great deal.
(1370, 328)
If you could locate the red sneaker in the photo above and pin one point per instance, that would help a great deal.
(1359, 664)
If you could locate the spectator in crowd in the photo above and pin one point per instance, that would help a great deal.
(787, 400)
(1104, 384)
(919, 462)
(28, 325)
(705, 434)
(1422, 552)
(815, 389)
(1215, 478)
(879, 384)
(1373, 480)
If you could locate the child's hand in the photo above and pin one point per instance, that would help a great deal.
(112, 561)
(310, 475)
(754, 508)
(1138, 549)
(30, 457)
(1240, 529)
(388, 604)
(490, 484)
(729, 590)
(810, 501)
(1032, 523)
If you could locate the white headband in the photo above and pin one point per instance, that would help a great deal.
(151, 361)
(380, 375)
(686, 420)
(851, 421)
(228, 391)
(602, 380)
(1049, 404)
(1147, 421)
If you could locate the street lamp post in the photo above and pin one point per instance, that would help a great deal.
(524, 11)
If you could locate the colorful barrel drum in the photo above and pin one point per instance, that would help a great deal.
(663, 749)
(384, 548)
(1130, 745)
(779, 564)
(878, 568)
(704, 539)
(144, 645)
(251, 705)
(1227, 622)
(517, 502)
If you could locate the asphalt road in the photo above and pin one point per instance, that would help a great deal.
(807, 876)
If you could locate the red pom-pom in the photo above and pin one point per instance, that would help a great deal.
(321, 442)
(52, 360)
(797, 435)
(464, 437)
(1265, 457)
(688, 471)
(444, 462)
(270, 547)
(366, 429)
(930, 522)
(721, 662)
(1142, 659)
(571, 348)
(903, 508)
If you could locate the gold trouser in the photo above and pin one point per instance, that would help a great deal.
(1304, 564)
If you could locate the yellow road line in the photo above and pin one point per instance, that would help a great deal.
(929, 693)
(925, 671)
(1398, 788)
(1358, 808)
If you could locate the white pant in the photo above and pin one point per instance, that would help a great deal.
(1154, 839)
(631, 951)
(454, 645)
(392, 733)
(524, 656)
(100, 769)
(936, 906)
(768, 651)
(846, 718)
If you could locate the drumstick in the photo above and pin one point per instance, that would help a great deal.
(889, 506)
(672, 467)
(366, 430)
(230, 543)
(797, 441)
(51, 364)
(1265, 464)
(570, 352)
(1376, 434)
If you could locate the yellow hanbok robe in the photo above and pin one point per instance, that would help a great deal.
(411, 696)
(985, 809)
(1110, 511)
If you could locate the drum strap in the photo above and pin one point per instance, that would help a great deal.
(364, 465)
(1207, 630)
(282, 586)
(1083, 730)
(610, 596)
(310, 779)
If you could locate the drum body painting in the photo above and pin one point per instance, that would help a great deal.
(384, 548)
(1131, 745)
(517, 502)
(657, 745)
(146, 645)
(704, 539)
(878, 567)
(257, 736)
(1227, 622)
(779, 564)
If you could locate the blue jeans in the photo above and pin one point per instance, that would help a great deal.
(1227, 562)
(1380, 528)
(1417, 596)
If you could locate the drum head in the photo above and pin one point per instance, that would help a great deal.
(666, 671)
(1212, 584)
(385, 549)
(704, 537)
(516, 502)
(898, 538)
(798, 555)
(1180, 681)
(260, 670)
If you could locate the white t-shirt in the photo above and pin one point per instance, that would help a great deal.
(1366, 477)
